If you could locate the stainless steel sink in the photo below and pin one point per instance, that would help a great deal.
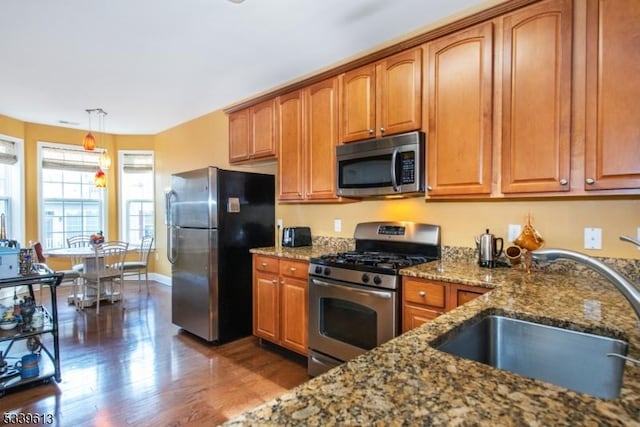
(575, 360)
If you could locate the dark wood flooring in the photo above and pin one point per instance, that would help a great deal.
(131, 366)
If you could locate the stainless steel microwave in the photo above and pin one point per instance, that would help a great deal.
(392, 165)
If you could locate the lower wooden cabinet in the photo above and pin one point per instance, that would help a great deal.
(280, 303)
(424, 300)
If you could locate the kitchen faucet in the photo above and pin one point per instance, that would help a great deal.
(625, 287)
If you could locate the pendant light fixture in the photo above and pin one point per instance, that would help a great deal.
(100, 180)
(89, 144)
(89, 141)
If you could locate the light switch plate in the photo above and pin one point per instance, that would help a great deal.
(593, 238)
(337, 225)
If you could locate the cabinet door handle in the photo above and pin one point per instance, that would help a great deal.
(274, 281)
(563, 181)
(263, 264)
(382, 130)
(590, 181)
(422, 293)
(429, 188)
(370, 131)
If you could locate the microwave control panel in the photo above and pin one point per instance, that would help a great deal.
(408, 167)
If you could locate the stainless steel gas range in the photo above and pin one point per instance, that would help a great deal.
(354, 297)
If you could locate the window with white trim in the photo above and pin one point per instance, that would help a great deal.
(136, 194)
(71, 204)
(11, 187)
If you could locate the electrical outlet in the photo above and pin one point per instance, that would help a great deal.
(514, 231)
(279, 222)
(337, 225)
(593, 238)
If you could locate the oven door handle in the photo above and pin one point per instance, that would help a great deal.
(367, 293)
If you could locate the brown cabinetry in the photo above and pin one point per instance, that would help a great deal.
(280, 303)
(612, 152)
(424, 300)
(462, 294)
(536, 98)
(252, 133)
(307, 137)
(382, 98)
(459, 98)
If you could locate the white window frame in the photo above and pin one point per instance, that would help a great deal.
(123, 217)
(105, 196)
(15, 224)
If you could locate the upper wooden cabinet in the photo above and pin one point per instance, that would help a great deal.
(383, 98)
(252, 133)
(612, 154)
(536, 98)
(307, 137)
(460, 120)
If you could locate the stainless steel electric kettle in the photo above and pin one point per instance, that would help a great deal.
(488, 251)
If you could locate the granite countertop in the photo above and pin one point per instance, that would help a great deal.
(406, 381)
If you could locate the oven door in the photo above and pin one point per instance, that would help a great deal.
(346, 320)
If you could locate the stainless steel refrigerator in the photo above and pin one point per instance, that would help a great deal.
(214, 217)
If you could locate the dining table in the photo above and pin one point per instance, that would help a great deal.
(91, 263)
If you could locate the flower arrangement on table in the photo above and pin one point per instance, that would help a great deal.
(97, 238)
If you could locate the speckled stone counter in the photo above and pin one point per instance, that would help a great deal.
(407, 382)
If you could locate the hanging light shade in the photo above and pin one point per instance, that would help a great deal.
(89, 142)
(104, 161)
(100, 179)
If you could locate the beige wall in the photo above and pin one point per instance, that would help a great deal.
(33, 133)
(204, 141)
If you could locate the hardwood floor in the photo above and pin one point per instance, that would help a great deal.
(132, 366)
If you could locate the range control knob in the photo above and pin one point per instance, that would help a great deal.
(377, 280)
(318, 270)
(365, 278)
(327, 271)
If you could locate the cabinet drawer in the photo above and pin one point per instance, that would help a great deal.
(414, 316)
(427, 293)
(265, 263)
(297, 269)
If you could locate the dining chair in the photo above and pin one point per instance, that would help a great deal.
(78, 241)
(105, 267)
(141, 264)
(70, 276)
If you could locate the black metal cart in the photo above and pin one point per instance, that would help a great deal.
(25, 339)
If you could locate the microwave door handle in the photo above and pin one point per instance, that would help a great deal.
(394, 181)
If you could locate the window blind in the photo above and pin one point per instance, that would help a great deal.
(137, 162)
(69, 159)
(8, 154)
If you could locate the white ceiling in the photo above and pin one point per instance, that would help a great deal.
(153, 64)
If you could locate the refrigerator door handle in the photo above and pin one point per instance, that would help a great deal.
(168, 197)
(168, 219)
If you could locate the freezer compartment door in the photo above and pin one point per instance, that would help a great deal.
(194, 201)
(194, 292)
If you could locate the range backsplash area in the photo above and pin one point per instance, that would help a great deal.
(630, 268)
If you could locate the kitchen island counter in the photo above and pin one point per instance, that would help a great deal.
(406, 381)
